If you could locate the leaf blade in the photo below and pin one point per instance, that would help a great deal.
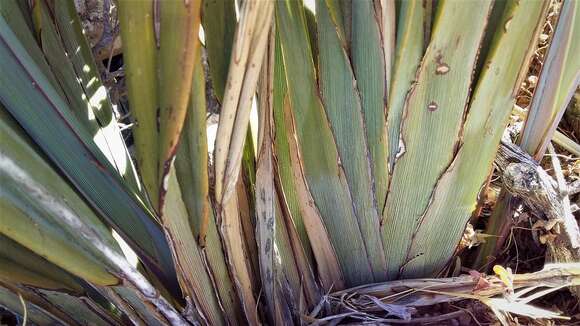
(318, 153)
(448, 64)
(140, 63)
(457, 191)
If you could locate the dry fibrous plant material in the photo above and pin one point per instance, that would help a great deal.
(398, 301)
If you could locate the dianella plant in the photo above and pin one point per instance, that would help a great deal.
(378, 123)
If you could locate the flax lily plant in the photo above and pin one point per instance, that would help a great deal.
(378, 123)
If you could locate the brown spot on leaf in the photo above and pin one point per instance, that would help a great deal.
(201, 240)
(442, 68)
(432, 106)
(270, 224)
(158, 119)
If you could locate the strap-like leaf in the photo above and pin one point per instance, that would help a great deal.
(318, 154)
(140, 64)
(191, 163)
(411, 23)
(24, 215)
(193, 277)
(292, 216)
(559, 79)
(248, 51)
(344, 110)
(432, 124)
(191, 166)
(178, 48)
(219, 25)
(371, 46)
(22, 266)
(494, 96)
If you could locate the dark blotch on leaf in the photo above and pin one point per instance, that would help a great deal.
(442, 68)
(270, 224)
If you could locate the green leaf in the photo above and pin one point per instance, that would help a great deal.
(456, 194)
(312, 33)
(81, 310)
(48, 120)
(140, 63)
(18, 19)
(318, 151)
(372, 75)
(550, 98)
(329, 271)
(178, 49)
(291, 226)
(142, 309)
(219, 24)
(191, 163)
(191, 166)
(343, 108)
(411, 22)
(194, 279)
(338, 12)
(282, 153)
(22, 266)
(23, 215)
(72, 63)
(431, 130)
